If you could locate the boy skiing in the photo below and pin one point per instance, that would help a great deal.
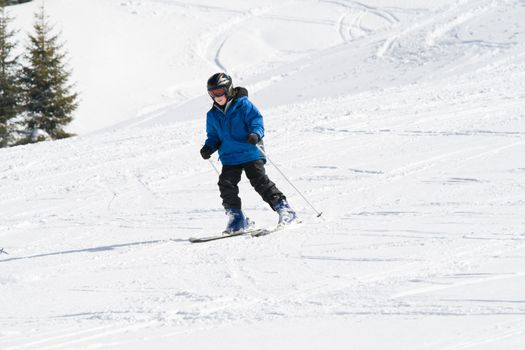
(235, 128)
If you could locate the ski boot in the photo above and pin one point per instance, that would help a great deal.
(286, 214)
(237, 222)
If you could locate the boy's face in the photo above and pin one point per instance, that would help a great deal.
(221, 100)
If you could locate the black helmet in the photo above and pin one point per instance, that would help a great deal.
(220, 81)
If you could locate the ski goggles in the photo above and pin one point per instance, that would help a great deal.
(217, 92)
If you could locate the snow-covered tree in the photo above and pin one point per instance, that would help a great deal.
(48, 98)
(9, 85)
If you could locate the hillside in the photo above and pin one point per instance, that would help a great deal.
(403, 121)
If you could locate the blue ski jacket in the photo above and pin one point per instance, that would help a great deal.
(228, 130)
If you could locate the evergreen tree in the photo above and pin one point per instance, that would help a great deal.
(48, 99)
(9, 90)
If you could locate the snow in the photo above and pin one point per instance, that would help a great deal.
(403, 121)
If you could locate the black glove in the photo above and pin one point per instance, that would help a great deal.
(206, 152)
(253, 138)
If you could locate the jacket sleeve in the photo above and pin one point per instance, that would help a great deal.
(212, 138)
(253, 119)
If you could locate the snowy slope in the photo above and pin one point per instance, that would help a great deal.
(403, 121)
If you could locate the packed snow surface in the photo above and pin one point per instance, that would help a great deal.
(402, 121)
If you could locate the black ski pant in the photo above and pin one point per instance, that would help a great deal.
(231, 175)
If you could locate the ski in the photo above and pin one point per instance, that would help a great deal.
(253, 233)
(279, 227)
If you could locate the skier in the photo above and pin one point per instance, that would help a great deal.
(235, 128)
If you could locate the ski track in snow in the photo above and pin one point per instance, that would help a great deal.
(421, 185)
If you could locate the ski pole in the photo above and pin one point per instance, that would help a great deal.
(290, 182)
(214, 167)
